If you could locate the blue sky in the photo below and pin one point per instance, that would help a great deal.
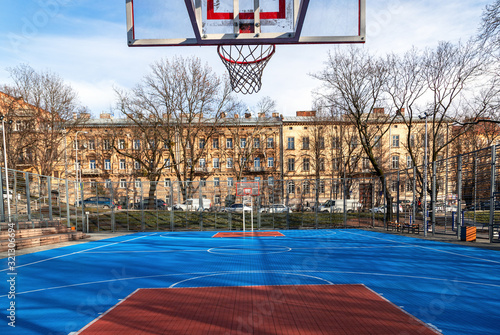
(84, 42)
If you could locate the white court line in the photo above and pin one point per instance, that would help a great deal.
(224, 274)
(77, 252)
(264, 271)
(143, 251)
(431, 248)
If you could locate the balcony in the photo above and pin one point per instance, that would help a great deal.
(91, 172)
(254, 169)
(200, 171)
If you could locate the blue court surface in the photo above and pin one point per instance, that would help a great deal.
(453, 288)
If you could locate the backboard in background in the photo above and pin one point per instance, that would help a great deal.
(226, 22)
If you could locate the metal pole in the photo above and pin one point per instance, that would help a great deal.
(397, 197)
(28, 202)
(6, 170)
(2, 214)
(459, 194)
(492, 192)
(433, 200)
(414, 195)
(425, 178)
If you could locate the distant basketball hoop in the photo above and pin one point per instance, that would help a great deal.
(247, 191)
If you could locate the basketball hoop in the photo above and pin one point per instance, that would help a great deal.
(245, 64)
(247, 191)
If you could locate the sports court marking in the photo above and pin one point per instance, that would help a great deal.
(282, 309)
(249, 250)
(249, 234)
(424, 247)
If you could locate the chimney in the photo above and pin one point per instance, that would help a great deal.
(378, 111)
(105, 116)
(85, 116)
(222, 115)
(262, 115)
(306, 113)
(276, 114)
(400, 111)
(248, 115)
(236, 116)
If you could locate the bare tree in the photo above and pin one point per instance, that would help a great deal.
(353, 85)
(489, 32)
(181, 102)
(53, 106)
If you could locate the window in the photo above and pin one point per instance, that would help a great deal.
(243, 142)
(166, 162)
(229, 143)
(321, 142)
(440, 140)
(321, 186)
(137, 144)
(216, 163)
(256, 162)
(77, 165)
(354, 162)
(354, 142)
(92, 164)
(257, 179)
(217, 200)
(305, 164)
(305, 143)
(121, 144)
(215, 143)
(17, 126)
(395, 162)
(107, 164)
(270, 180)
(93, 183)
(106, 145)
(394, 186)
(306, 187)
(409, 162)
(291, 143)
(335, 163)
(291, 164)
(137, 183)
(409, 185)
(270, 162)
(91, 145)
(123, 183)
(122, 164)
(321, 164)
(230, 182)
(202, 162)
(229, 163)
(395, 141)
(167, 182)
(201, 143)
(203, 182)
(291, 187)
(270, 143)
(412, 141)
(151, 144)
(137, 165)
(107, 183)
(366, 163)
(335, 142)
(256, 142)
(216, 181)
(376, 141)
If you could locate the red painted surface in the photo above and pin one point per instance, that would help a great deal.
(263, 310)
(248, 234)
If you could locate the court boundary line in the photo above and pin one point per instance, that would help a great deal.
(76, 252)
(426, 247)
(106, 312)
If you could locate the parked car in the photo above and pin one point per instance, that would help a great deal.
(383, 209)
(238, 208)
(337, 206)
(277, 208)
(484, 206)
(148, 203)
(194, 205)
(103, 202)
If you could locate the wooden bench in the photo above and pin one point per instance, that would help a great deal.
(411, 228)
(392, 225)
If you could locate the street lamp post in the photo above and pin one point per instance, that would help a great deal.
(6, 167)
(425, 116)
(77, 166)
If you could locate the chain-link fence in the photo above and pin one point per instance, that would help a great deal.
(461, 191)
